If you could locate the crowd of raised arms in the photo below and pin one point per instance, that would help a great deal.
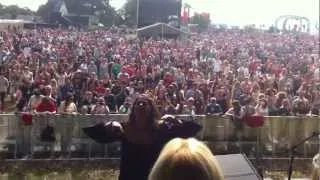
(101, 72)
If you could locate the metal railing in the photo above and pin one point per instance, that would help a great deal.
(273, 139)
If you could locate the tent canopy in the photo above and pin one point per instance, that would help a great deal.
(160, 30)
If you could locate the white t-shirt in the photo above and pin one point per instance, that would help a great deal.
(34, 101)
(316, 74)
(28, 75)
(71, 108)
(4, 84)
(217, 66)
(243, 71)
(100, 109)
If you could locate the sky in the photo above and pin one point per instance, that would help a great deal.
(230, 12)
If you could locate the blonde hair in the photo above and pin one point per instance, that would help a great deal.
(186, 159)
(316, 167)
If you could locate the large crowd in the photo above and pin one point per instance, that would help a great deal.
(102, 71)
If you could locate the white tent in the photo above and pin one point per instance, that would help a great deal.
(18, 24)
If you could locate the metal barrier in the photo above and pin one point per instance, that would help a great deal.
(273, 139)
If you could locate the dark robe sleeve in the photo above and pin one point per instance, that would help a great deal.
(104, 133)
(182, 129)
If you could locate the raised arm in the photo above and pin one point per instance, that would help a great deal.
(105, 132)
(172, 127)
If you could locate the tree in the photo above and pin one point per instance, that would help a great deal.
(129, 12)
(100, 8)
(43, 12)
(13, 11)
(203, 20)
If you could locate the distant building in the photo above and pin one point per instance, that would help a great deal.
(29, 18)
(6, 24)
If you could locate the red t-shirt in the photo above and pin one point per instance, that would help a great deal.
(100, 90)
(43, 107)
(253, 66)
(130, 70)
(143, 53)
(168, 79)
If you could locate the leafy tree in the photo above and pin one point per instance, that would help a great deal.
(43, 11)
(129, 12)
(13, 11)
(101, 8)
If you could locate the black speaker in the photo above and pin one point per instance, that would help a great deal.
(237, 167)
(153, 11)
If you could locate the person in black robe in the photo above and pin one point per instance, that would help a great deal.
(142, 137)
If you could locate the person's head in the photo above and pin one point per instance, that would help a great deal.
(93, 75)
(263, 103)
(25, 68)
(88, 95)
(270, 92)
(255, 87)
(170, 88)
(281, 95)
(144, 111)
(53, 82)
(261, 96)
(316, 167)
(190, 101)
(84, 110)
(127, 104)
(36, 92)
(47, 90)
(186, 159)
(69, 97)
(301, 94)
(285, 103)
(101, 101)
(213, 100)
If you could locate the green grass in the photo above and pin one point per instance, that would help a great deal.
(69, 175)
(109, 175)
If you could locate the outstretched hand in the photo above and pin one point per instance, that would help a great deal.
(171, 119)
(116, 127)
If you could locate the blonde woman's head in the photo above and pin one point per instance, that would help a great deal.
(186, 159)
(316, 167)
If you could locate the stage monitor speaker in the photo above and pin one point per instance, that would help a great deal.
(237, 167)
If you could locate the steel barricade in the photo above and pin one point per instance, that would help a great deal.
(78, 139)
(40, 123)
(65, 130)
(216, 128)
(9, 134)
(274, 139)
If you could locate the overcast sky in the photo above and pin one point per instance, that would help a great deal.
(231, 12)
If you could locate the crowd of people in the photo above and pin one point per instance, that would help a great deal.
(101, 72)
(232, 72)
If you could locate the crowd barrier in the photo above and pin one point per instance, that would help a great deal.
(274, 138)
